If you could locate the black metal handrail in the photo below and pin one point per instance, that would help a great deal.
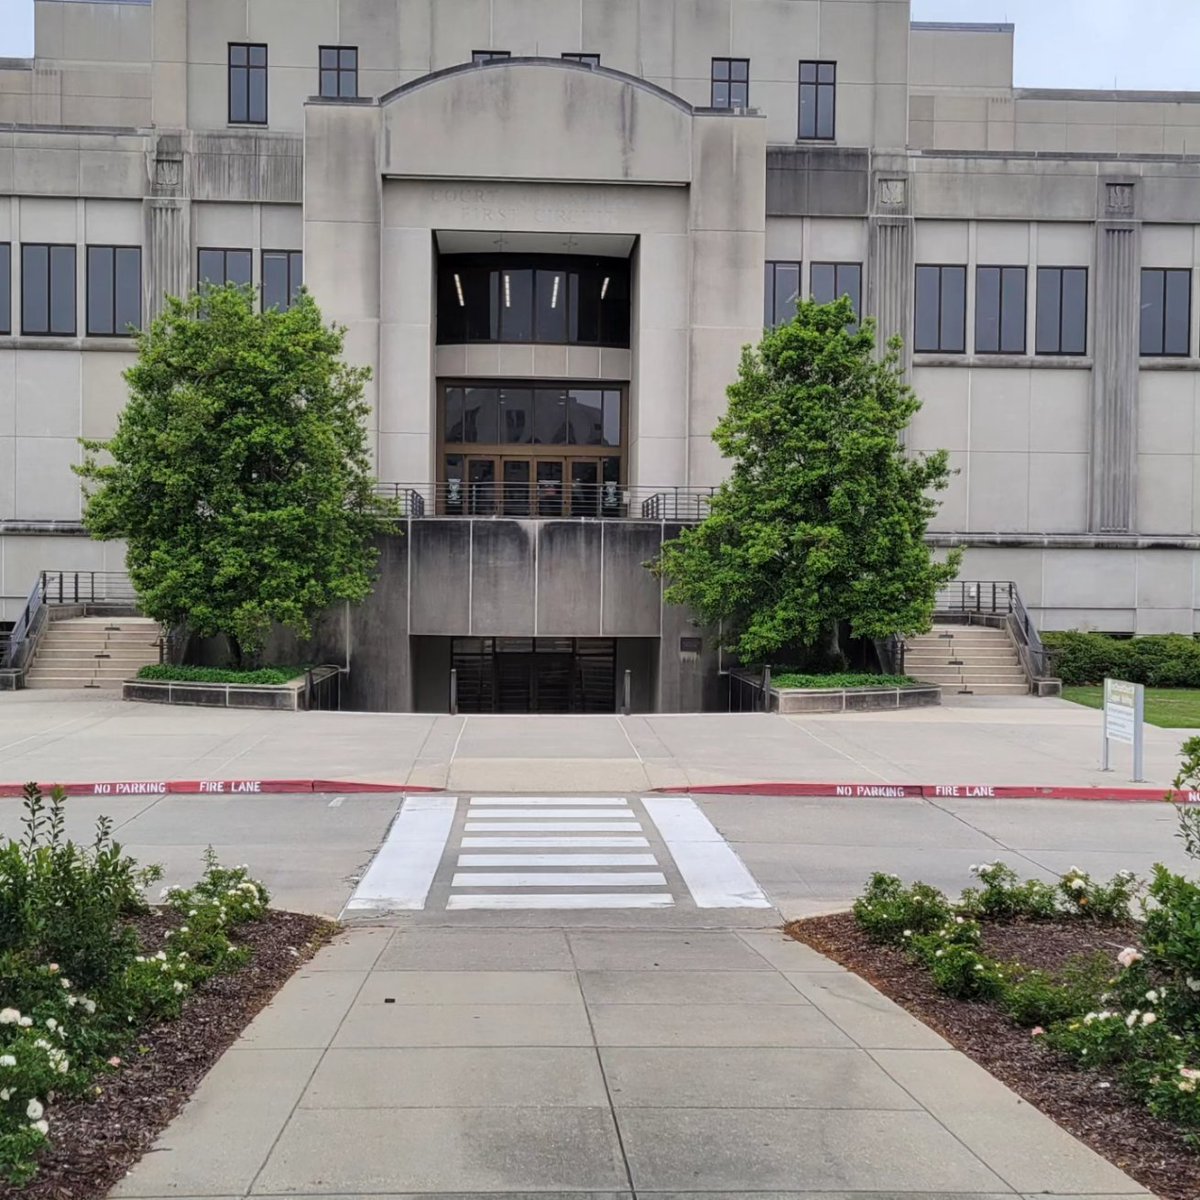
(547, 499)
(25, 629)
(998, 598)
(87, 587)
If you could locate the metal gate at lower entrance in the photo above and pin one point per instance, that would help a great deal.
(534, 675)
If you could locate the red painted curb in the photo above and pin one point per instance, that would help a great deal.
(215, 787)
(1127, 795)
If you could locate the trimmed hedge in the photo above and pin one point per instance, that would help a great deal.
(793, 679)
(1158, 660)
(162, 672)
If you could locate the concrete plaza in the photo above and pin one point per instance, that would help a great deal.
(680, 1052)
(609, 1063)
(72, 736)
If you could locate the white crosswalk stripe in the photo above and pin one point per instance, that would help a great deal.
(518, 880)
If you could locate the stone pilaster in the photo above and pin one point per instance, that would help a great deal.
(890, 255)
(1117, 293)
(167, 269)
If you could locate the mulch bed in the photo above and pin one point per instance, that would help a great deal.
(95, 1141)
(1119, 1129)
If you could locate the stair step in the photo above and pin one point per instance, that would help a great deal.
(988, 689)
(997, 656)
(72, 682)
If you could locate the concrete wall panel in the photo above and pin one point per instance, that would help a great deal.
(569, 562)
(441, 561)
(632, 600)
(502, 578)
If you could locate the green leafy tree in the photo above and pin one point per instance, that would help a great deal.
(239, 473)
(822, 519)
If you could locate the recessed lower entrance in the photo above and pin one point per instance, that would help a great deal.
(535, 675)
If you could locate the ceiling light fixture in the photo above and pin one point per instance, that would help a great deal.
(507, 291)
(604, 288)
(458, 287)
(554, 295)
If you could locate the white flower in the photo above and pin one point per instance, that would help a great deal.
(8, 1060)
(5, 1093)
(939, 954)
(1131, 1020)
(1077, 884)
(191, 912)
(1129, 956)
(89, 1005)
(51, 1024)
(25, 1022)
(908, 933)
(72, 1001)
(162, 954)
(1148, 1018)
(959, 921)
(1152, 996)
(1193, 984)
(34, 1110)
(42, 1127)
(53, 968)
(9, 1016)
(178, 987)
(182, 929)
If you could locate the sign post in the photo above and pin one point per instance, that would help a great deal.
(1123, 713)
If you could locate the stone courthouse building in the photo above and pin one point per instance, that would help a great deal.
(549, 226)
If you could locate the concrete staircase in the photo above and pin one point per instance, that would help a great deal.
(967, 658)
(93, 652)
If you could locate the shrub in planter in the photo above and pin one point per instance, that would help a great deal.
(1109, 902)
(888, 910)
(1034, 997)
(1004, 896)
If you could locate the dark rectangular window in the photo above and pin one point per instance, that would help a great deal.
(219, 267)
(247, 83)
(1000, 310)
(941, 310)
(339, 72)
(114, 290)
(1061, 310)
(781, 291)
(5, 287)
(730, 82)
(588, 60)
(832, 281)
(818, 99)
(482, 56)
(1166, 312)
(282, 275)
(48, 290)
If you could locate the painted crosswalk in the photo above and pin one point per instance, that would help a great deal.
(512, 853)
(514, 878)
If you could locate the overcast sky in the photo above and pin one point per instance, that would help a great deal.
(1146, 44)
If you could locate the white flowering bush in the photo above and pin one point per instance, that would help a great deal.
(891, 912)
(1083, 896)
(75, 986)
(1003, 896)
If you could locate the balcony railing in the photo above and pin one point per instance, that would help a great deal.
(548, 499)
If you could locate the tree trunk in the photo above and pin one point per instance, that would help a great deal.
(235, 648)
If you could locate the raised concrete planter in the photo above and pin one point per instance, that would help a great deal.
(283, 697)
(864, 699)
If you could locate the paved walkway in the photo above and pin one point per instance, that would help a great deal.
(73, 737)
(619, 1062)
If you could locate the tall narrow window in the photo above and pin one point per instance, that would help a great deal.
(282, 275)
(730, 82)
(941, 310)
(1167, 312)
(219, 267)
(780, 293)
(48, 290)
(1061, 310)
(247, 83)
(832, 281)
(5, 287)
(588, 60)
(818, 99)
(114, 290)
(483, 56)
(1000, 310)
(339, 72)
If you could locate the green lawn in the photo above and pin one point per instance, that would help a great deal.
(1170, 708)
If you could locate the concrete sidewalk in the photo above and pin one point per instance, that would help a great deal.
(618, 1062)
(72, 737)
